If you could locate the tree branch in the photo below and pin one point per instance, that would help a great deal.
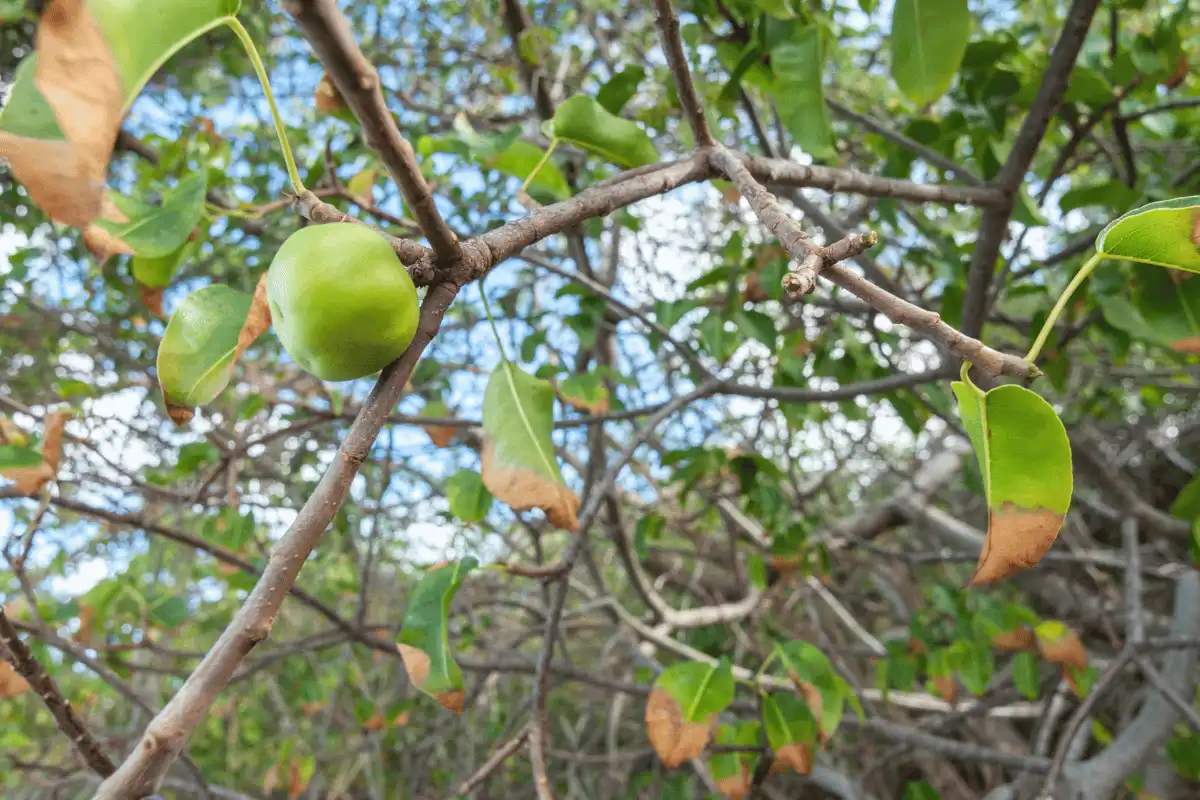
(668, 28)
(328, 31)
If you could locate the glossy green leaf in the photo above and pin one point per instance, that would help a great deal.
(682, 706)
(798, 91)
(1025, 459)
(929, 38)
(620, 89)
(733, 771)
(469, 499)
(519, 465)
(1166, 234)
(425, 635)
(791, 730)
(200, 347)
(1025, 675)
(584, 122)
(159, 231)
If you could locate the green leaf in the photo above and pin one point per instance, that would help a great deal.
(160, 270)
(586, 392)
(620, 89)
(425, 636)
(791, 730)
(170, 612)
(1169, 303)
(1026, 213)
(469, 499)
(1113, 194)
(974, 663)
(1184, 753)
(1123, 315)
(200, 347)
(1166, 234)
(649, 528)
(18, 457)
(683, 703)
(929, 38)
(718, 342)
(162, 28)
(798, 92)
(585, 123)
(520, 158)
(1025, 459)
(1025, 675)
(733, 771)
(807, 665)
(756, 325)
(920, 790)
(159, 231)
(519, 465)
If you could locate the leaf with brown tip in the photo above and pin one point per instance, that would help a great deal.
(673, 738)
(683, 708)
(791, 731)
(733, 771)
(29, 480)
(1025, 458)
(519, 465)
(77, 76)
(425, 636)
(11, 683)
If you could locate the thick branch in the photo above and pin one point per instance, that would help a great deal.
(668, 28)
(328, 31)
(167, 733)
(60, 708)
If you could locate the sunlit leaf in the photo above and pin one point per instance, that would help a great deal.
(683, 708)
(207, 334)
(469, 499)
(519, 465)
(1025, 459)
(1166, 234)
(582, 121)
(425, 636)
(157, 231)
(798, 91)
(929, 38)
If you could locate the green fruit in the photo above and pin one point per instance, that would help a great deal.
(341, 302)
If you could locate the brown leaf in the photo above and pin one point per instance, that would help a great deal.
(754, 292)
(812, 698)
(28, 481)
(78, 77)
(598, 406)
(523, 489)
(296, 782)
(416, 663)
(796, 756)
(327, 97)
(375, 722)
(674, 739)
(441, 435)
(103, 245)
(87, 624)
(11, 684)
(452, 700)
(1180, 75)
(737, 787)
(1066, 651)
(785, 564)
(258, 319)
(180, 415)
(946, 687)
(1017, 640)
(152, 299)
(312, 709)
(271, 779)
(1017, 538)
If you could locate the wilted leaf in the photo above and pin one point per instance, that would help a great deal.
(791, 732)
(29, 478)
(103, 245)
(327, 97)
(440, 435)
(363, 185)
(1018, 639)
(62, 158)
(425, 637)
(1025, 459)
(733, 771)
(582, 121)
(152, 299)
(11, 683)
(469, 499)
(683, 708)
(203, 341)
(929, 38)
(585, 392)
(1059, 645)
(1163, 234)
(519, 466)
(946, 687)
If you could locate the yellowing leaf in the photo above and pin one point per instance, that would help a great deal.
(585, 392)
(683, 708)
(1059, 645)
(425, 636)
(519, 466)
(363, 185)
(28, 480)
(440, 435)
(1025, 458)
(76, 74)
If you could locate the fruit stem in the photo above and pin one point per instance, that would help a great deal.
(487, 309)
(248, 43)
(1056, 312)
(540, 164)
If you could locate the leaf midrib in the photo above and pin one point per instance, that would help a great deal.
(508, 368)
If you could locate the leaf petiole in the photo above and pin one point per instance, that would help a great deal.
(1056, 312)
(545, 157)
(244, 36)
(487, 309)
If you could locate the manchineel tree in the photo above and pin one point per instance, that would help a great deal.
(457, 401)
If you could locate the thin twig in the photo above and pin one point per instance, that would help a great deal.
(668, 28)
(492, 764)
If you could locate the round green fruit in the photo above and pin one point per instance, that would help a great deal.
(341, 302)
